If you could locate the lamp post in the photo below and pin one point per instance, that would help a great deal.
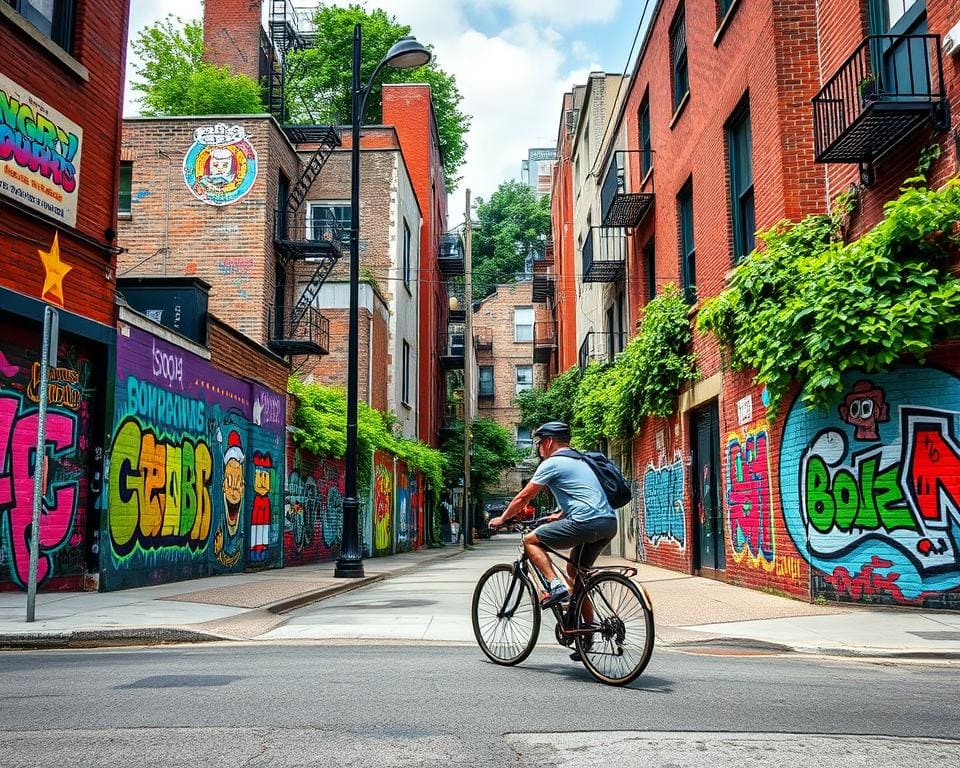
(405, 54)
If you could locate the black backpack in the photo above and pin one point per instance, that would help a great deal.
(608, 474)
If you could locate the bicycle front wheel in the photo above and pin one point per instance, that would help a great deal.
(620, 641)
(506, 615)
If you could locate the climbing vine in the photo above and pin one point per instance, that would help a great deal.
(807, 305)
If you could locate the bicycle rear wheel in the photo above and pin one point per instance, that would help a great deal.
(622, 637)
(506, 615)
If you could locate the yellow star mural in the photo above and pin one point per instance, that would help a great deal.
(56, 271)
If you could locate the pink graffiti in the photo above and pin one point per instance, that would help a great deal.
(868, 583)
(7, 368)
(748, 496)
(18, 451)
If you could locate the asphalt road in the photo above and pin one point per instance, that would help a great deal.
(285, 704)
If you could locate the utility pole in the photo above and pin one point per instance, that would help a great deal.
(467, 367)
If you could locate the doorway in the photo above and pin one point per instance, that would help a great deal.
(709, 558)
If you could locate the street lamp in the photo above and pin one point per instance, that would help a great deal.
(405, 54)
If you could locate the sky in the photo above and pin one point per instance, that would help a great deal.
(513, 61)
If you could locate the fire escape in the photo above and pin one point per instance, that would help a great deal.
(313, 237)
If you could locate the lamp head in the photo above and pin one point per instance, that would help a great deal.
(407, 53)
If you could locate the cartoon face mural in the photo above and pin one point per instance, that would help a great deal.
(221, 165)
(185, 450)
(872, 499)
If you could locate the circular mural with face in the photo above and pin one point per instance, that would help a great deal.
(221, 165)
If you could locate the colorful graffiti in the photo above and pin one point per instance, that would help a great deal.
(67, 453)
(382, 503)
(192, 485)
(313, 510)
(872, 498)
(39, 154)
(403, 507)
(221, 164)
(749, 498)
(664, 518)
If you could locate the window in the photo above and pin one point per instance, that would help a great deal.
(650, 267)
(125, 190)
(406, 254)
(405, 393)
(688, 259)
(611, 334)
(523, 323)
(678, 58)
(741, 182)
(486, 381)
(722, 7)
(524, 378)
(54, 18)
(524, 438)
(321, 216)
(646, 158)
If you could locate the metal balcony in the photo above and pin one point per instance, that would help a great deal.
(310, 240)
(292, 332)
(600, 347)
(451, 347)
(622, 203)
(888, 87)
(450, 256)
(483, 339)
(457, 298)
(604, 255)
(543, 283)
(452, 417)
(544, 340)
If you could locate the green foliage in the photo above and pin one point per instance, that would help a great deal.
(511, 223)
(809, 306)
(492, 451)
(174, 79)
(320, 426)
(599, 405)
(320, 78)
(538, 406)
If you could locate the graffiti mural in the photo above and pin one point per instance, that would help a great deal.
(403, 507)
(313, 510)
(382, 503)
(415, 484)
(193, 485)
(664, 518)
(69, 449)
(749, 498)
(221, 164)
(871, 492)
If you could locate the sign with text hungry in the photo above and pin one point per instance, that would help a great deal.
(39, 154)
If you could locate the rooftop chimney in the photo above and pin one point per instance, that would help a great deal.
(231, 35)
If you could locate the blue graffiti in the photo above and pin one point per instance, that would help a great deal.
(663, 513)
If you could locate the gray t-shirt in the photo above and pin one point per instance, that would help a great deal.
(575, 487)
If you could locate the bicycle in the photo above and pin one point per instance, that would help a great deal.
(615, 644)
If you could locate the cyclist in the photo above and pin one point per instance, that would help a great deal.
(586, 521)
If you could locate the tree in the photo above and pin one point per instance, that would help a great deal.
(511, 224)
(538, 406)
(492, 452)
(175, 80)
(320, 78)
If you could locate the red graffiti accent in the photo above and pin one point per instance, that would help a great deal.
(18, 455)
(868, 583)
(934, 473)
(865, 407)
(748, 497)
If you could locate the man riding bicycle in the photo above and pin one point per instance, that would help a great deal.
(586, 522)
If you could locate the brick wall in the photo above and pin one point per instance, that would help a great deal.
(565, 259)
(231, 35)
(234, 353)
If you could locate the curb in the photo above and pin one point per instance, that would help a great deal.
(851, 652)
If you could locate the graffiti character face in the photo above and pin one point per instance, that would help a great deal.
(865, 407)
(221, 167)
(233, 494)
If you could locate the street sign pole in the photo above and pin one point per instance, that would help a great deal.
(467, 368)
(48, 358)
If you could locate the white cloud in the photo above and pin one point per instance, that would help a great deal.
(560, 13)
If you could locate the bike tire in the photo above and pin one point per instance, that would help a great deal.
(623, 640)
(505, 640)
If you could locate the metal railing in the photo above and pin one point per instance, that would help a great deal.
(623, 204)
(604, 255)
(306, 330)
(483, 338)
(288, 228)
(600, 347)
(450, 252)
(896, 75)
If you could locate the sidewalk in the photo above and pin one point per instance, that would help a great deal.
(232, 607)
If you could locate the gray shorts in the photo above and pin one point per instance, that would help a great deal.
(587, 539)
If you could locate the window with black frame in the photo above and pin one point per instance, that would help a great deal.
(645, 143)
(323, 214)
(688, 254)
(650, 267)
(485, 381)
(678, 57)
(125, 188)
(406, 254)
(54, 18)
(740, 170)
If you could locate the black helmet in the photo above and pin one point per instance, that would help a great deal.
(554, 429)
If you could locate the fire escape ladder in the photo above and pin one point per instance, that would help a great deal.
(327, 139)
(312, 289)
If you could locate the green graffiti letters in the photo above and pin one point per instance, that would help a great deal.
(159, 491)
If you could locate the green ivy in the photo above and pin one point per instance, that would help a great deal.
(808, 306)
(538, 406)
(320, 426)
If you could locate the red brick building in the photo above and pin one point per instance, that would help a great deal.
(738, 115)
(61, 73)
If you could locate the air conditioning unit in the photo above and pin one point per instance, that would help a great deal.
(951, 41)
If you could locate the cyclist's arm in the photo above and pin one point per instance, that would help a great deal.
(515, 508)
